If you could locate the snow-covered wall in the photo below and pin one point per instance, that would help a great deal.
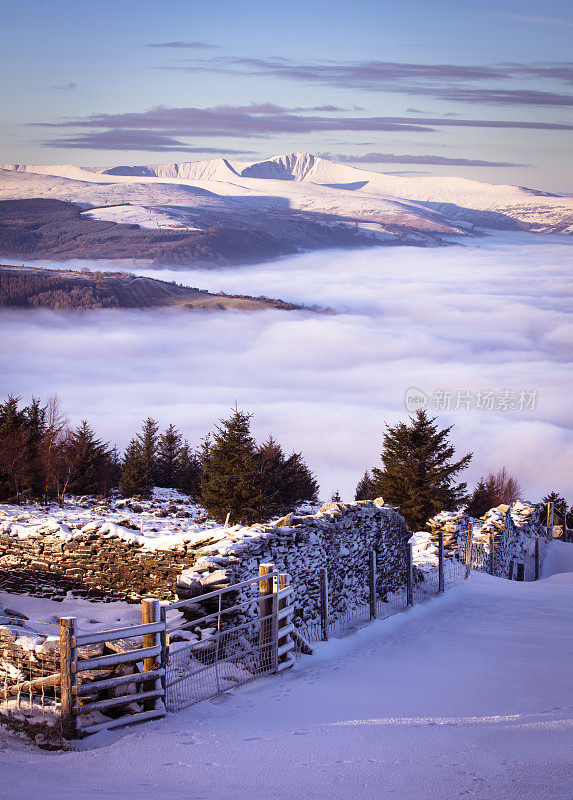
(104, 558)
(339, 537)
(513, 527)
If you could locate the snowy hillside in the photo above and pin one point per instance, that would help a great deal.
(297, 201)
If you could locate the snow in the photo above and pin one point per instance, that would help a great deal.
(161, 217)
(154, 523)
(465, 696)
(296, 182)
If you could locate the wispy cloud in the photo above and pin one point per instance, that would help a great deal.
(146, 140)
(68, 87)
(450, 82)
(392, 158)
(537, 20)
(183, 45)
(258, 120)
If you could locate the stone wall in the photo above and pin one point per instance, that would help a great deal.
(106, 561)
(513, 527)
(339, 537)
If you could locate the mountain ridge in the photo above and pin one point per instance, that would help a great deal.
(292, 202)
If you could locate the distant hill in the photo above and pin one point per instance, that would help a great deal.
(222, 212)
(32, 287)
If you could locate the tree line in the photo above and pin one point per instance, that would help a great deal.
(419, 474)
(232, 476)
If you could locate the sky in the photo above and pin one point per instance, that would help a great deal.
(452, 87)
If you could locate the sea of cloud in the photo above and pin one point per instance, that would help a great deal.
(494, 316)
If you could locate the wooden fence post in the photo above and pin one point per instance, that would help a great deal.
(372, 583)
(68, 676)
(469, 541)
(284, 639)
(491, 554)
(323, 575)
(441, 584)
(550, 520)
(536, 555)
(164, 651)
(409, 575)
(149, 614)
(266, 651)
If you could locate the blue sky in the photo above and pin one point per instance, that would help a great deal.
(448, 87)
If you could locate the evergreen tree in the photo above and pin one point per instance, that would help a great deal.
(15, 469)
(148, 440)
(134, 475)
(90, 457)
(190, 471)
(229, 482)
(418, 473)
(273, 477)
(336, 498)
(300, 485)
(168, 454)
(480, 500)
(365, 488)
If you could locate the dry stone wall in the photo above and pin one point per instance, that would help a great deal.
(513, 527)
(106, 561)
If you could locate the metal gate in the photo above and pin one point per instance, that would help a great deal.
(228, 637)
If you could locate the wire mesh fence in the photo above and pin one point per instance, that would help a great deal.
(29, 675)
(425, 584)
(241, 643)
(223, 661)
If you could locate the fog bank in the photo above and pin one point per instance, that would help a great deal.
(495, 317)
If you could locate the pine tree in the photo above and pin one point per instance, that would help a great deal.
(418, 473)
(272, 478)
(480, 500)
(229, 482)
(190, 471)
(336, 498)
(148, 440)
(15, 468)
(300, 484)
(134, 475)
(365, 488)
(89, 456)
(168, 453)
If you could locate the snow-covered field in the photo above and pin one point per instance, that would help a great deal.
(466, 696)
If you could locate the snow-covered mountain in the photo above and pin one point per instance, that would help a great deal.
(296, 201)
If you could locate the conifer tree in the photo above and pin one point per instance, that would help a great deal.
(89, 457)
(560, 506)
(229, 482)
(134, 475)
(148, 440)
(190, 471)
(336, 498)
(301, 485)
(273, 478)
(480, 500)
(168, 453)
(15, 469)
(418, 472)
(365, 488)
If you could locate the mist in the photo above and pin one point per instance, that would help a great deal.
(493, 316)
